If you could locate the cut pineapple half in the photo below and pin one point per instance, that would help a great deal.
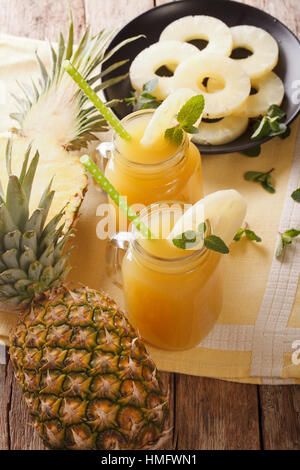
(270, 90)
(225, 210)
(205, 27)
(263, 46)
(164, 116)
(213, 85)
(147, 62)
(69, 177)
(220, 132)
(191, 73)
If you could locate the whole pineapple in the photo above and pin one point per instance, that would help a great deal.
(87, 378)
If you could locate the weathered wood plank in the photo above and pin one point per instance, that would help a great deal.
(214, 414)
(41, 19)
(168, 383)
(113, 14)
(280, 413)
(287, 11)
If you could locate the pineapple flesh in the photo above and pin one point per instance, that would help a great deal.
(149, 60)
(87, 379)
(221, 131)
(236, 83)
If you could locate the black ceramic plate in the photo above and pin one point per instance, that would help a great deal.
(152, 22)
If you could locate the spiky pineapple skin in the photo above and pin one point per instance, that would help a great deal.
(87, 379)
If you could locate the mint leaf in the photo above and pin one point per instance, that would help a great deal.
(275, 111)
(264, 178)
(252, 235)
(286, 134)
(151, 85)
(186, 240)
(187, 116)
(296, 195)
(248, 234)
(144, 100)
(286, 238)
(214, 243)
(239, 234)
(262, 130)
(202, 229)
(252, 152)
(191, 111)
(174, 134)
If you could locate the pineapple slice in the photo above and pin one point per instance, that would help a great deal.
(221, 132)
(164, 115)
(263, 46)
(69, 177)
(148, 61)
(236, 83)
(225, 210)
(205, 27)
(270, 90)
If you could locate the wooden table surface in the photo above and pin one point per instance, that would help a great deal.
(205, 413)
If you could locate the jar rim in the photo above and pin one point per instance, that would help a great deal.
(171, 161)
(190, 257)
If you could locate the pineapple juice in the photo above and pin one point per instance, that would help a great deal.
(162, 172)
(173, 296)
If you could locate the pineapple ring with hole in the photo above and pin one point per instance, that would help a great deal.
(263, 46)
(270, 90)
(192, 72)
(205, 27)
(149, 60)
(221, 132)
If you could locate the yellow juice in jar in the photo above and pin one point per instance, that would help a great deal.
(173, 296)
(163, 171)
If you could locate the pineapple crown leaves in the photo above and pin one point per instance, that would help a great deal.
(88, 56)
(31, 251)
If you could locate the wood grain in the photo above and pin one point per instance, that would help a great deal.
(287, 11)
(280, 410)
(113, 14)
(41, 19)
(221, 415)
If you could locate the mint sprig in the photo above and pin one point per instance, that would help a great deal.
(286, 238)
(270, 125)
(187, 117)
(144, 100)
(264, 178)
(247, 233)
(296, 195)
(191, 238)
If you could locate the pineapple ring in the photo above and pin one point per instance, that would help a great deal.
(192, 72)
(220, 132)
(205, 27)
(263, 46)
(270, 90)
(146, 63)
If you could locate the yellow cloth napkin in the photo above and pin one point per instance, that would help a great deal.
(259, 325)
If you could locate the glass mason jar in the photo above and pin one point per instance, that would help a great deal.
(172, 301)
(177, 177)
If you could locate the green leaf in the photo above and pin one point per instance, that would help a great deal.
(174, 134)
(252, 152)
(16, 202)
(214, 243)
(267, 185)
(277, 128)
(264, 178)
(252, 235)
(262, 130)
(291, 233)
(239, 234)
(280, 248)
(275, 111)
(191, 111)
(191, 129)
(151, 85)
(252, 175)
(286, 134)
(296, 195)
(186, 240)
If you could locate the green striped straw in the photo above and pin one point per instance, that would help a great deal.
(97, 102)
(115, 195)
